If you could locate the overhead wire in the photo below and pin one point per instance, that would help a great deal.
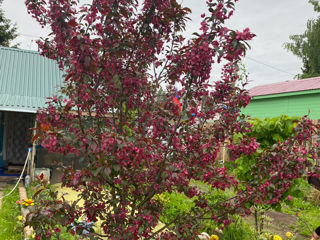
(270, 66)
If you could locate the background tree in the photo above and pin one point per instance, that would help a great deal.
(139, 136)
(8, 31)
(306, 46)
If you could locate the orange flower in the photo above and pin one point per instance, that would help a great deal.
(29, 201)
(45, 127)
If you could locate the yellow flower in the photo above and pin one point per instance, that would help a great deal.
(26, 204)
(20, 218)
(214, 237)
(31, 204)
(33, 236)
(277, 237)
(288, 234)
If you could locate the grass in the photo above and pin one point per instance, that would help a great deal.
(307, 213)
(10, 226)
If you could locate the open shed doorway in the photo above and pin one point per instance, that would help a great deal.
(15, 138)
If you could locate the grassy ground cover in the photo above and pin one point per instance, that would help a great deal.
(307, 214)
(300, 217)
(10, 226)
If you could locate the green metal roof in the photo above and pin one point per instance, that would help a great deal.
(26, 80)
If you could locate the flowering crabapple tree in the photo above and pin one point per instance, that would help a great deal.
(119, 111)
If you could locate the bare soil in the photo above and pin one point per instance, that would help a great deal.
(280, 223)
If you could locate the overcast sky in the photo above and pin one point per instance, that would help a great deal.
(271, 20)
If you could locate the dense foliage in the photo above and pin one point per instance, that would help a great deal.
(8, 31)
(266, 171)
(140, 108)
(255, 167)
(306, 46)
(267, 133)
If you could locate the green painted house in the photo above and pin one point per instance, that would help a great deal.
(293, 98)
(26, 80)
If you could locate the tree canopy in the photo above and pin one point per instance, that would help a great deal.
(306, 46)
(8, 31)
(137, 135)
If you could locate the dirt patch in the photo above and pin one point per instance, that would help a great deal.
(280, 223)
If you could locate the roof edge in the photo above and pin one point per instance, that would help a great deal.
(275, 95)
(287, 81)
(15, 109)
(19, 50)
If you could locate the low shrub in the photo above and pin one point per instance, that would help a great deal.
(175, 204)
(238, 230)
(46, 194)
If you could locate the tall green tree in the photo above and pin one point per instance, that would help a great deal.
(8, 31)
(306, 46)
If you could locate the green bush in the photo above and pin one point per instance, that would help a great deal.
(238, 230)
(175, 204)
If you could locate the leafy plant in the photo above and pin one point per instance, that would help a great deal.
(268, 134)
(238, 230)
(175, 204)
(47, 213)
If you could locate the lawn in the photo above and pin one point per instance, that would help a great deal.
(10, 226)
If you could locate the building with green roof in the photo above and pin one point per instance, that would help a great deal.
(293, 98)
(26, 80)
